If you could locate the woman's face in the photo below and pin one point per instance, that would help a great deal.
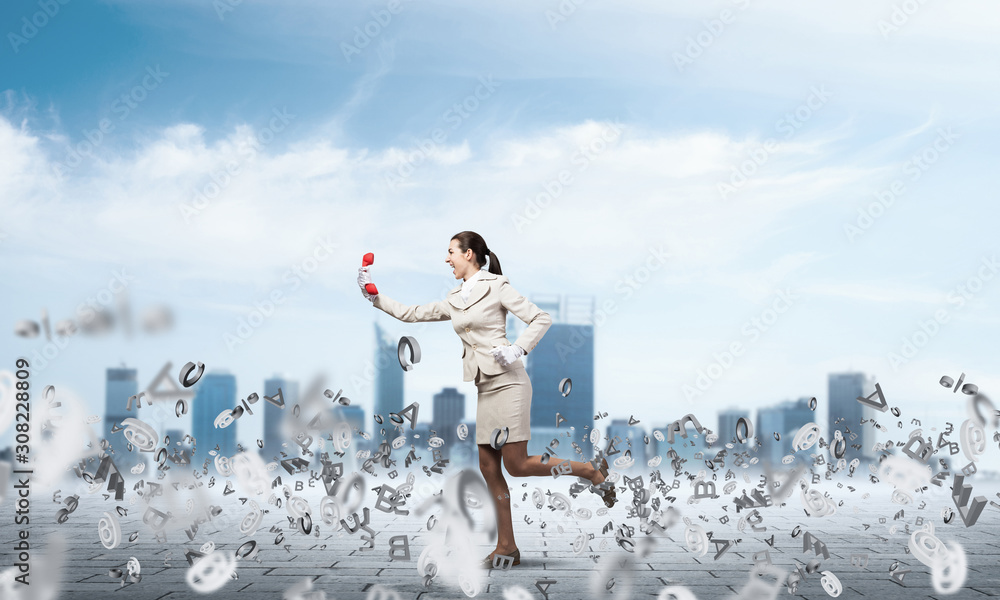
(464, 263)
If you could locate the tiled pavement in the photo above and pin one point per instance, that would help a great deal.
(335, 565)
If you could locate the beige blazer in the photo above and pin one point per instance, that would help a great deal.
(481, 323)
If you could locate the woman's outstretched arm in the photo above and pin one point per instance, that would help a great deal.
(432, 311)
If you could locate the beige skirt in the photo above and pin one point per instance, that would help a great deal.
(504, 401)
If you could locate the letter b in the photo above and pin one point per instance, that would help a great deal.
(704, 489)
(51, 7)
(399, 548)
(923, 451)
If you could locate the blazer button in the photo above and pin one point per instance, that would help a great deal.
(466, 329)
(473, 346)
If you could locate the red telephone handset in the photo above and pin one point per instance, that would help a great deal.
(366, 261)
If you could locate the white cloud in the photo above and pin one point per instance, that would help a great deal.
(644, 189)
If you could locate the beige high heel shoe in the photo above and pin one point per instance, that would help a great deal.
(488, 561)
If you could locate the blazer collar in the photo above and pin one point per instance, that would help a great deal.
(475, 295)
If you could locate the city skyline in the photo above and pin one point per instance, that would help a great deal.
(122, 384)
(387, 376)
(214, 393)
(776, 211)
(775, 427)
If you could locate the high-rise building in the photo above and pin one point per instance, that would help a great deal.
(388, 380)
(214, 393)
(785, 419)
(274, 416)
(727, 423)
(120, 385)
(449, 410)
(566, 351)
(844, 413)
(175, 435)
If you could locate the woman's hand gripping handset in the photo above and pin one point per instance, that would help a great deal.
(506, 355)
(364, 280)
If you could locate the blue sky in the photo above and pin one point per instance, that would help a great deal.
(645, 108)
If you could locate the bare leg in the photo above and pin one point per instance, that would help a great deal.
(489, 465)
(519, 464)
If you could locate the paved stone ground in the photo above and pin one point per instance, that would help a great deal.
(334, 563)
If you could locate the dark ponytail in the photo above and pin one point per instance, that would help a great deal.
(471, 239)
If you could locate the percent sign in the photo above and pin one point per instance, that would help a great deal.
(278, 400)
(251, 399)
(344, 401)
(968, 389)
